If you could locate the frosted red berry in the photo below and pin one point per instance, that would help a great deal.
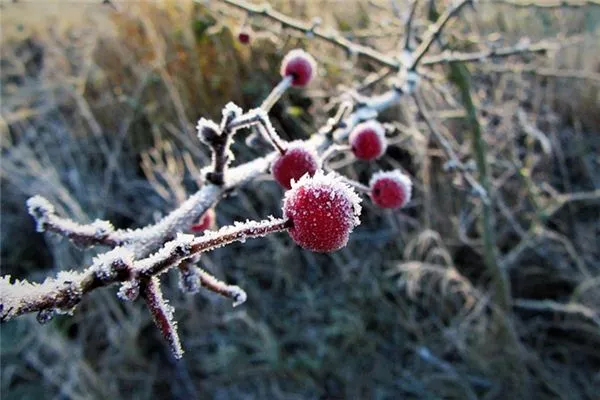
(368, 140)
(300, 65)
(293, 164)
(390, 189)
(244, 37)
(206, 221)
(323, 212)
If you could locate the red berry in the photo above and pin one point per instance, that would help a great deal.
(300, 65)
(244, 37)
(206, 221)
(323, 211)
(293, 164)
(390, 189)
(368, 140)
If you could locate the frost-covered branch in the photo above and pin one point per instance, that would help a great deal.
(435, 31)
(523, 47)
(309, 29)
(63, 293)
(84, 235)
(162, 314)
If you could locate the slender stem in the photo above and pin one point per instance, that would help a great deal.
(235, 293)
(408, 29)
(501, 282)
(520, 48)
(268, 132)
(258, 116)
(357, 185)
(450, 153)
(276, 93)
(220, 142)
(332, 151)
(435, 31)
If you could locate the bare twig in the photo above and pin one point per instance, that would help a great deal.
(276, 93)
(502, 293)
(450, 153)
(558, 308)
(329, 36)
(483, 55)
(408, 28)
(541, 71)
(548, 4)
(233, 292)
(435, 31)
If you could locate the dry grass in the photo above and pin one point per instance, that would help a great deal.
(93, 100)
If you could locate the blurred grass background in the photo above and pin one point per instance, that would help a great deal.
(98, 111)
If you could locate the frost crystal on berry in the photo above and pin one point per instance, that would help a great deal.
(297, 161)
(368, 140)
(300, 65)
(323, 211)
(390, 189)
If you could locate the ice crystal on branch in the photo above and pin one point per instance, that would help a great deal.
(189, 277)
(109, 264)
(208, 131)
(129, 291)
(40, 209)
(97, 232)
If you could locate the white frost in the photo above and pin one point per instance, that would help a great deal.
(331, 185)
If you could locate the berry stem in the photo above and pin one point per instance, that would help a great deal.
(435, 31)
(268, 132)
(259, 116)
(184, 247)
(408, 28)
(332, 151)
(240, 233)
(276, 93)
(356, 185)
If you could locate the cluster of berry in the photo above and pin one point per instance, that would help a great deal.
(323, 208)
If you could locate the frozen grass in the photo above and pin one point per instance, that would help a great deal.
(99, 119)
